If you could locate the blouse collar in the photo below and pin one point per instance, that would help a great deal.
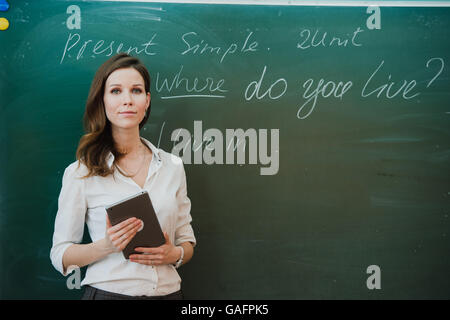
(155, 151)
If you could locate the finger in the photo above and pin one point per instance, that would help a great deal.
(149, 250)
(121, 225)
(166, 236)
(117, 234)
(108, 223)
(128, 229)
(120, 237)
(127, 236)
(124, 244)
(148, 262)
(147, 257)
(152, 250)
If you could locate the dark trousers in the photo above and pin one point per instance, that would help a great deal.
(91, 293)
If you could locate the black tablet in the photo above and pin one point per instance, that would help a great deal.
(140, 207)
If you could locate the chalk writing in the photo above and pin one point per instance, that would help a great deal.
(74, 43)
(193, 87)
(195, 45)
(256, 86)
(386, 89)
(325, 40)
(262, 86)
(326, 90)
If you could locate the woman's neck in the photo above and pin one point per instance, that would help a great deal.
(127, 141)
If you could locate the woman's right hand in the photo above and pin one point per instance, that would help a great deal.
(117, 237)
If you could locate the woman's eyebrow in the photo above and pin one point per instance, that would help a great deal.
(134, 85)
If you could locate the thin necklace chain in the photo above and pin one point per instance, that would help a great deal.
(140, 167)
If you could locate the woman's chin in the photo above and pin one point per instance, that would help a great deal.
(125, 125)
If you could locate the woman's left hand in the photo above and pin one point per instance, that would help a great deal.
(165, 254)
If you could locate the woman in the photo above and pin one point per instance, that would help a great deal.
(114, 162)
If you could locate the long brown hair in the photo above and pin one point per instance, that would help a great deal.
(97, 143)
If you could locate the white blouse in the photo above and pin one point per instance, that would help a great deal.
(84, 201)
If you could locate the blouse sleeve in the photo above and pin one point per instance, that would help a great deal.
(69, 222)
(184, 231)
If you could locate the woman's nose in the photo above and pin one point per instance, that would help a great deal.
(127, 98)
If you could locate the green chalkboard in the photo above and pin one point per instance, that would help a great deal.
(342, 155)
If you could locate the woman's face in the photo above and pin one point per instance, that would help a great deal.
(125, 98)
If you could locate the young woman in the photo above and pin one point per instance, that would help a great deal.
(114, 162)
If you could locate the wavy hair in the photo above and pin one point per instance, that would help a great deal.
(97, 142)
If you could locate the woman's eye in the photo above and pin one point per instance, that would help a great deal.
(135, 90)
